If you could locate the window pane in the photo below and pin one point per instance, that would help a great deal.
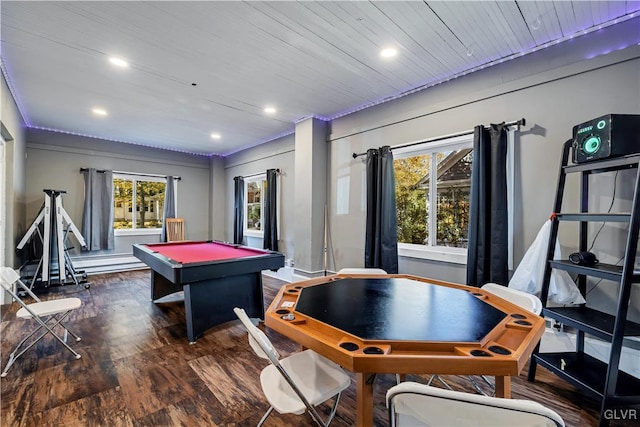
(412, 186)
(450, 207)
(149, 204)
(454, 185)
(254, 205)
(123, 202)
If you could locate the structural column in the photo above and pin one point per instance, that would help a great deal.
(310, 195)
(217, 182)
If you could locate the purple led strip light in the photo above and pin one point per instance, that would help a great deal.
(490, 64)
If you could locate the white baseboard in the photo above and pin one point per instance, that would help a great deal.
(107, 264)
(290, 275)
(284, 273)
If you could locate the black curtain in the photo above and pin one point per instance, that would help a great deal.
(97, 215)
(487, 258)
(271, 213)
(169, 210)
(381, 235)
(238, 206)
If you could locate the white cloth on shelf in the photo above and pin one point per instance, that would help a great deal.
(528, 276)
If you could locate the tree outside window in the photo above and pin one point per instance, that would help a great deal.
(411, 201)
(435, 221)
(254, 204)
(145, 197)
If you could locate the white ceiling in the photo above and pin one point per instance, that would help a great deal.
(311, 58)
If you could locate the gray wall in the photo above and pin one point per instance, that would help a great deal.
(54, 161)
(277, 154)
(217, 200)
(14, 175)
(553, 90)
(310, 196)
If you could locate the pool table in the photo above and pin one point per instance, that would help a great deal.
(215, 278)
(401, 324)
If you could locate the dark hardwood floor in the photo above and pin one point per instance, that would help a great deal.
(137, 369)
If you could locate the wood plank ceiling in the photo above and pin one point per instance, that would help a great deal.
(311, 58)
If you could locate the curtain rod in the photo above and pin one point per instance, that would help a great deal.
(520, 122)
(255, 174)
(133, 173)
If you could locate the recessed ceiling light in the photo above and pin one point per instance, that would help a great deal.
(388, 52)
(269, 110)
(118, 62)
(99, 111)
(216, 136)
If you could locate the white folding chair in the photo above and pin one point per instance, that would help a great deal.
(371, 270)
(522, 299)
(415, 405)
(48, 315)
(527, 301)
(297, 383)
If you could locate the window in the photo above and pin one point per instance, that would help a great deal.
(432, 193)
(433, 208)
(433, 183)
(143, 196)
(254, 205)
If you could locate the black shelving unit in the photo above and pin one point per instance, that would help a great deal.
(603, 381)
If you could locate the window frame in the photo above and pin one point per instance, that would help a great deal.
(445, 253)
(260, 179)
(134, 208)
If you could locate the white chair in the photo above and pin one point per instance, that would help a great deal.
(48, 315)
(362, 271)
(367, 270)
(527, 301)
(297, 383)
(522, 299)
(412, 404)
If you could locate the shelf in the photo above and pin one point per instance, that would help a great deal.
(601, 270)
(600, 166)
(591, 321)
(598, 217)
(593, 376)
(589, 374)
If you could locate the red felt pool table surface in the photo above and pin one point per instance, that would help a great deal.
(186, 252)
(214, 276)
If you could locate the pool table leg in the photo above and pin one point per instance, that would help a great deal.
(364, 399)
(503, 387)
(161, 287)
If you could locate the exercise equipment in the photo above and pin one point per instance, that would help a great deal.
(56, 225)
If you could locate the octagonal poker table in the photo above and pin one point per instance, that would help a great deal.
(401, 324)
